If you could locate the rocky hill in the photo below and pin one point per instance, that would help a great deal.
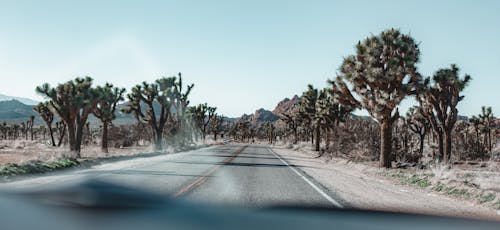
(286, 106)
(262, 115)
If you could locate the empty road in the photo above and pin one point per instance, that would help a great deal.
(230, 174)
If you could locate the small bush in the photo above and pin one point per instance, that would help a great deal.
(36, 167)
(487, 198)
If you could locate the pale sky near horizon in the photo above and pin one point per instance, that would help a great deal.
(241, 55)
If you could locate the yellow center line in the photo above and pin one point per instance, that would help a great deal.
(200, 180)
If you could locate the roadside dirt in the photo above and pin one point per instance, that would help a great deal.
(21, 151)
(366, 186)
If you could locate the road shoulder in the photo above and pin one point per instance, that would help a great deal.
(362, 186)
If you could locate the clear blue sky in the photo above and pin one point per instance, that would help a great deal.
(241, 55)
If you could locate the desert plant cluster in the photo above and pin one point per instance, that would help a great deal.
(161, 109)
(382, 73)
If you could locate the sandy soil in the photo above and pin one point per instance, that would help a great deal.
(364, 186)
(21, 151)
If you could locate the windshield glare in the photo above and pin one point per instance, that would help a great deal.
(380, 105)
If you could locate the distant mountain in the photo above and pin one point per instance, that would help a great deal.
(14, 111)
(25, 101)
(262, 115)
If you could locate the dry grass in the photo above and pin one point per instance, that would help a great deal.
(21, 151)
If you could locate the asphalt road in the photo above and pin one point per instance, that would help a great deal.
(230, 174)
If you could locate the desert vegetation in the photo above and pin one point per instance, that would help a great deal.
(382, 73)
(164, 119)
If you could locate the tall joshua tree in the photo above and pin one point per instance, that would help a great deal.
(107, 99)
(181, 104)
(440, 100)
(382, 73)
(307, 112)
(158, 98)
(418, 124)
(73, 102)
(47, 116)
(487, 122)
(483, 123)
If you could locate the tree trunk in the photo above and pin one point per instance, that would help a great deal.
(78, 141)
(421, 149)
(312, 137)
(104, 140)
(328, 136)
(215, 136)
(271, 137)
(446, 146)
(318, 138)
(478, 142)
(489, 142)
(385, 143)
(296, 137)
(71, 136)
(158, 139)
(51, 134)
(440, 146)
(61, 136)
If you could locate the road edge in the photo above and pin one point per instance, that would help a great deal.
(316, 185)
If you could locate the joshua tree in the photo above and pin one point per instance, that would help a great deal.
(246, 131)
(440, 101)
(483, 123)
(159, 98)
(24, 130)
(47, 116)
(487, 123)
(4, 128)
(15, 131)
(418, 124)
(181, 105)
(202, 114)
(107, 99)
(216, 125)
(331, 112)
(269, 131)
(73, 102)
(382, 73)
(292, 125)
(308, 112)
(29, 125)
(241, 130)
(476, 125)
